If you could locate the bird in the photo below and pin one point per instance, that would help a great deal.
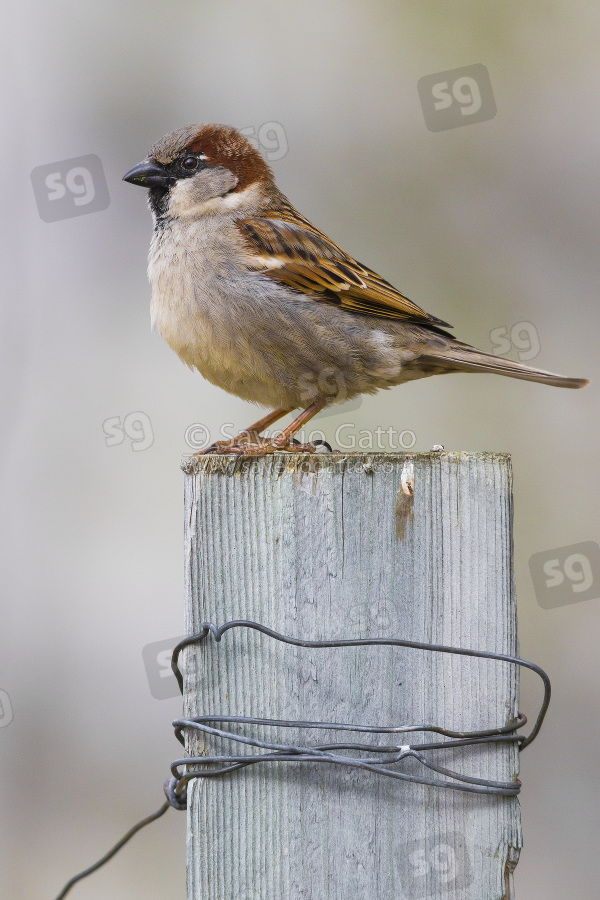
(252, 295)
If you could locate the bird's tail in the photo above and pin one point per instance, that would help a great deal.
(462, 358)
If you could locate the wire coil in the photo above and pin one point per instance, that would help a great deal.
(175, 788)
(379, 758)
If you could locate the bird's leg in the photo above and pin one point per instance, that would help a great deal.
(284, 440)
(264, 446)
(248, 435)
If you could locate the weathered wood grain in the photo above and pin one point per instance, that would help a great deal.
(332, 547)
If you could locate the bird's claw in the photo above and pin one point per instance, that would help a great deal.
(230, 445)
(261, 447)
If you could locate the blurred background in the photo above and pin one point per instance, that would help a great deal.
(479, 201)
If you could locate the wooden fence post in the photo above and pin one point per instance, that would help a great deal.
(337, 546)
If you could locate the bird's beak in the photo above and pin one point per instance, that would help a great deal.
(149, 174)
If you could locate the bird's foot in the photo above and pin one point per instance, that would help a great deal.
(265, 446)
(250, 442)
(246, 437)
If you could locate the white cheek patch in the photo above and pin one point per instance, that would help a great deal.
(186, 199)
(182, 200)
(179, 195)
(188, 196)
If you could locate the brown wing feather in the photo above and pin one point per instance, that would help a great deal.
(288, 248)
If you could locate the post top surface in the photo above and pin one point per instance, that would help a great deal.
(298, 462)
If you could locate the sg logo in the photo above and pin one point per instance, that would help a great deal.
(71, 187)
(157, 662)
(270, 138)
(135, 425)
(443, 865)
(566, 575)
(523, 337)
(457, 97)
(6, 710)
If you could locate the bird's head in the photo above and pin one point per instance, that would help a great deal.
(202, 169)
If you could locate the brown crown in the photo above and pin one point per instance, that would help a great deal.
(222, 145)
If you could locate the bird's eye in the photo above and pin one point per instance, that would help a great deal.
(190, 163)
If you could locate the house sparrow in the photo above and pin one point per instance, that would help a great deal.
(263, 304)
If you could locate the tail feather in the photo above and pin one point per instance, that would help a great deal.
(462, 358)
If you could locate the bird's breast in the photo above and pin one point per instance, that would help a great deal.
(188, 270)
(205, 303)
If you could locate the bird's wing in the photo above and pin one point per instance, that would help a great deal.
(287, 248)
